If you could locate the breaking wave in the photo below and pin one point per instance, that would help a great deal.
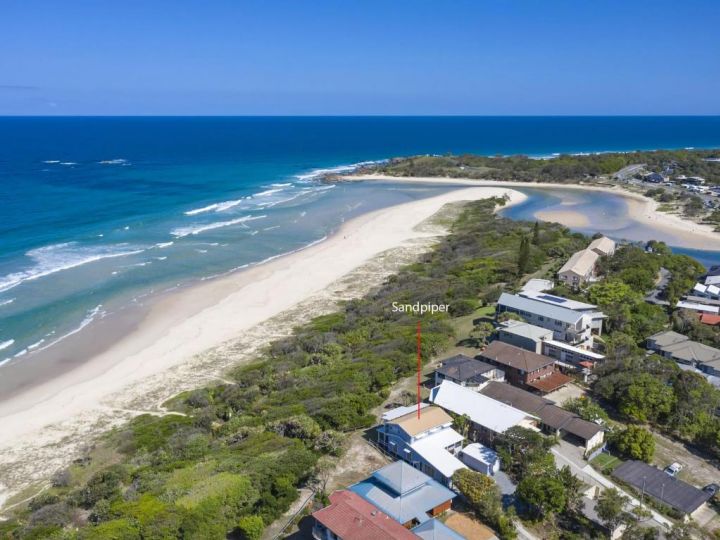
(197, 229)
(58, 257)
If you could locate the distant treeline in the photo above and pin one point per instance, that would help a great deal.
(563, 168)
(233, 457)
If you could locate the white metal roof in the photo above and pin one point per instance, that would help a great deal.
(567, 347)
(552, 311)
(482, 410)
(433, 450)
(481, 452)
(698, 307)
(401, 411)
(554, 300)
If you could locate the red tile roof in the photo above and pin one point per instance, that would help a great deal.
(551, 382)
(707, 318)
(586, 364)
(351, 517)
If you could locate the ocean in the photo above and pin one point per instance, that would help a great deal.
(98, 213)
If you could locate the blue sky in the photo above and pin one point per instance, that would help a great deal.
(498, 57)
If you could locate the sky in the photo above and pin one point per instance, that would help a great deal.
(363, 57)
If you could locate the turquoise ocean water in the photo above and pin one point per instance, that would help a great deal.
(96, 213)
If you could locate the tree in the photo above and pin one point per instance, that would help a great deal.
(481, 332)
(636, 443)
(586, 409)
(573, 489)
(545, 493)
(251, 527)
(611, 292)
(536, 234)
(647, 399)
(483, 496)
(523, 255)
(462, 424)
(610, 507)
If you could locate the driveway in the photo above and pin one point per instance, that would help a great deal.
(567, 454)
(653, 296)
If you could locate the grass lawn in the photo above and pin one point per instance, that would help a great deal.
(605, 461)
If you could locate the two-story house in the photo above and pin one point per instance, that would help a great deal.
(570, 326)
(525, 369)
(467, 371)
(427, 440)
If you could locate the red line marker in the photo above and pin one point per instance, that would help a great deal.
(419, 367)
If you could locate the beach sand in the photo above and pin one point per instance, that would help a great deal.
(568, 218)
(641, 209)
(191, 337)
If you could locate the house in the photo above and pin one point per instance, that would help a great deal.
(524, 368)
(696, 306)
(467, 371)
(434, 529)
(524, 335)
(488, 417)
(683, 350)
(710, 291)
(579, 268)
(480, 458)
(540, 340)
(553, 419)
(405, 494)
(710, 320)
(568, 325)
(662, 487)
(655, 178)
(350, 517)
(427, 441)
(603, 246)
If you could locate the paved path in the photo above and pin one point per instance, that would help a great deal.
(653, 296)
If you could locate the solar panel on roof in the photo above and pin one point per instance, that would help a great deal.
(553, 298)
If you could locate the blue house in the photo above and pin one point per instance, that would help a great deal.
(405, 494)
(426, 441)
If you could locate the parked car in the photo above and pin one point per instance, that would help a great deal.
(712, 489)
(673, 469)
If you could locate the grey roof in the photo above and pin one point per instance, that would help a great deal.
(661, 486)
(515, 357)
(436, 530)
(464, 368)
(526, 330)
(667, 337)
(403, 492)
(550, 414)
(539, 308)
(692, 351)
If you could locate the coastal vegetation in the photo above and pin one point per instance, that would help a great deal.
(562, 168)
(229, 459)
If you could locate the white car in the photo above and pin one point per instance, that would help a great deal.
(673, 469)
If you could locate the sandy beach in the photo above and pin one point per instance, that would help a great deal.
(641, 209)
(190, 337)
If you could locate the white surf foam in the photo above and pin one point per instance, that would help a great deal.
(58, 257)
(117, 161)
(197, 229)
(51, 161)
(163, 245)
(319, 173)
(6, 302)
(216, 207)
(6, 344)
